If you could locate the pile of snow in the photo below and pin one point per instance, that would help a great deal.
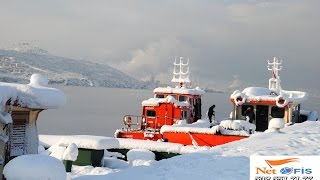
(140, 157)
(33, 95)
(35, 167)
(201, 123)
(237, 125)
(71, 153)
(275, 124)
(56, 151)
(141, 154)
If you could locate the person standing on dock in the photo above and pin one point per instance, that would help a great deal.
(211, 113)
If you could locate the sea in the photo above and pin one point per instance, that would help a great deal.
(99, 110)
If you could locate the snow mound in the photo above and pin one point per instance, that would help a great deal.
(34, 167)
(275, 124)
(237, 125)
(71, 153)
(141, 154)
(57, 151)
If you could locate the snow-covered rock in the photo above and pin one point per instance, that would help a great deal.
(34, 167)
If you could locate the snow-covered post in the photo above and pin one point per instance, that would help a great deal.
(70, 155)
(275, 124)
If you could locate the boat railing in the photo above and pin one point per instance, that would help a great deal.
(132, 122)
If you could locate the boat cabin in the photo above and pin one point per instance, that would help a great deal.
(268, 103)
(171, 104)
(166, 107)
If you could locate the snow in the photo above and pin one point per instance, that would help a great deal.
(168, 99)
(229, 161)
(227, 127)
(56, 151)
(226, 162)
(64, 71)
(276, 123)
(32, 95)
(88, 142)
(5, 118)
(178, 90)
(34, 167)
(141, 154)
(71, 153)
(265, 94)
(100, 142)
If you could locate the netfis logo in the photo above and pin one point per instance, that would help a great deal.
(286, 170)
(289, 170)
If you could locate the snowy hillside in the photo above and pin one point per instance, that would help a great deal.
(19, 62)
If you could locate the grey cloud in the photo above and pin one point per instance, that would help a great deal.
(222, 38)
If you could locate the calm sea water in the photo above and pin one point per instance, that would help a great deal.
(99, 111)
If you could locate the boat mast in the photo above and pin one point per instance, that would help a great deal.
(181, 72)
(275, 67)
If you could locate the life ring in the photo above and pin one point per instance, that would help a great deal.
(127, 121)
(281, 102)
(239, 100)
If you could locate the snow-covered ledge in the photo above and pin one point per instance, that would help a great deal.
(32, 95)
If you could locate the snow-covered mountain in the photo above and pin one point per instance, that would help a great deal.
(18, 63)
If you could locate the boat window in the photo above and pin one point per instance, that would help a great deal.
(183, 114)
(244, 108)
(183, 98)
(277, 112)
(151, 113)
(159, 95)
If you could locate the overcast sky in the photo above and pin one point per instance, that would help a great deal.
(228, 42)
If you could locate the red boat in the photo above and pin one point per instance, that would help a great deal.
(171, 106)
(174, 114)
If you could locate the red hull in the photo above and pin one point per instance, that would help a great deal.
(184, 138)
(200, 138)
